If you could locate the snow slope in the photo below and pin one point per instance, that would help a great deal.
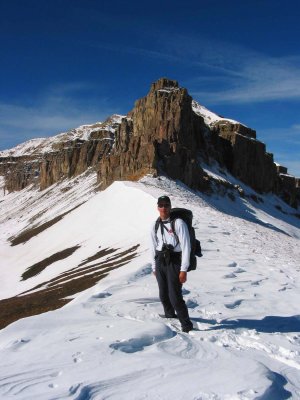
(210, 118)
(110, 343)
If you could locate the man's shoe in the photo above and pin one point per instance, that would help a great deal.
(187, 329)
(168, 316)
(172, 316)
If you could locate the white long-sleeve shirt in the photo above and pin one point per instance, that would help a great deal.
(157, 241)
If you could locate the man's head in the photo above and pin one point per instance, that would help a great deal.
(164, 207)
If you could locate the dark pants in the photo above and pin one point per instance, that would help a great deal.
(170, 291)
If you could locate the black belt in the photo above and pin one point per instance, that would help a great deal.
(167, 256)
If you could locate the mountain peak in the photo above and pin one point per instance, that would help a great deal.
(164, 83)
(167, 132)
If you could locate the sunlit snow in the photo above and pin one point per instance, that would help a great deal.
(110, 343)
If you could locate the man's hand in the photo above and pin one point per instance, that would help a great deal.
(182, 277)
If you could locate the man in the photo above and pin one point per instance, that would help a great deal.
(170, 261)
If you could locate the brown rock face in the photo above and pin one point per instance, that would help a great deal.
(19, 172)
(289, 189)
(72, 161)
(228, 130)
(253, 165)
(163, 134)
(245, 157)
(66, 158)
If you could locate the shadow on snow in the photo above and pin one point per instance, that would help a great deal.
(269, 324)
(244, 207)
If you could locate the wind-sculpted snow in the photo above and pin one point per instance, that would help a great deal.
(111, 343)
(139, 343)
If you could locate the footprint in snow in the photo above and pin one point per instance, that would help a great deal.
(102, 295)
(233, 305)
(53, 385)
(145, 300)
(191, 304)
(284, 288)
(16, 344)
(232, 264)
(239, 270)
(237, 289)
(228, 276)
(76, 358)
(146, 270)
(74, 388)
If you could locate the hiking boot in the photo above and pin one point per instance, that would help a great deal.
(172, 316)
(168, 316)
(186, 329)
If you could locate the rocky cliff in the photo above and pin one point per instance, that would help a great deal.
(162, 133)
(43, 162)
(166, 132)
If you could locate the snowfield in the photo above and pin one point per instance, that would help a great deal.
(210, 118)
(109, 341)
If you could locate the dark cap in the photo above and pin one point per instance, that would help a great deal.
(164, 199)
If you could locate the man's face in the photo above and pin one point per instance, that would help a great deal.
(164, 209)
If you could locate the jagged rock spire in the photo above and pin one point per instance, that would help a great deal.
(163, 135)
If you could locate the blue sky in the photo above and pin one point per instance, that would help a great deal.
(69, 62)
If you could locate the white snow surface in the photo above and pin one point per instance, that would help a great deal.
(210, 118)
(109, 341)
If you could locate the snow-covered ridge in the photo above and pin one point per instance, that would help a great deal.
(210, 118)
(41, 146)
(110, 341)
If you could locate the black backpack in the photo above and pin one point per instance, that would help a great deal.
(187, 216)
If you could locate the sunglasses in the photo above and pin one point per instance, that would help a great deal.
(165, 205)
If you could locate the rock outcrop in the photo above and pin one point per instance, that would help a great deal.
(44, 162)
(165, 133)
(246, 158)
(19, 172)
(72, 161)
(162, 134)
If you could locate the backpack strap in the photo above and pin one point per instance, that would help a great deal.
(174, 231)
(156, 228)
(158, 223)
